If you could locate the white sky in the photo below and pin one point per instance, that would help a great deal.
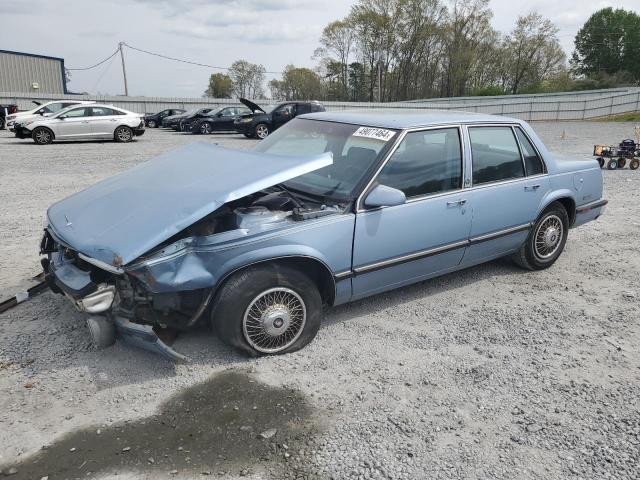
(217, 32)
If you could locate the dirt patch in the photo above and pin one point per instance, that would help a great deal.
(209, 428)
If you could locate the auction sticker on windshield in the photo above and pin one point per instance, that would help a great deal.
(375, 133)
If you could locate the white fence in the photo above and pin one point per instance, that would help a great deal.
(549, 107)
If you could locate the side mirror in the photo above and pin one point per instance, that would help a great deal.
(61, 118)
(41, 112)
(383, 196)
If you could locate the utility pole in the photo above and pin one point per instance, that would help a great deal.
(124, 70)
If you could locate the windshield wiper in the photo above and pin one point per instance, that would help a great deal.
(291, 195)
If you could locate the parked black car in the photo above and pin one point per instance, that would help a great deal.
(154, 120)
(174, 121)
(4, 111)
(266, 120)
(219, 120)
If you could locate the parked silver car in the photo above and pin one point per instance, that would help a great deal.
(83, 122)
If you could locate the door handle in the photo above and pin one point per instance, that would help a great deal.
(457, 202)
(532, 187)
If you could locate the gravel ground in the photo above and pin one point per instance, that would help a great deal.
(491, 372)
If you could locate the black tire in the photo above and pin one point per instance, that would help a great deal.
(123, 134)
(622, 162)
(42, 136)
(601, 162)
(240, 292)
(530, 256)
(152, 124)
(205, 128)
(2, 123)
(612, 164)
(261, 131)
(634, 164)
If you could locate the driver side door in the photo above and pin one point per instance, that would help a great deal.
(283, 114)
(427, 235)
(74, 124)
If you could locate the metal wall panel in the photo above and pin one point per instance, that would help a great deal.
(552, 107)
(18, 73)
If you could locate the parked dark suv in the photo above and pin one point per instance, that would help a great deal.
(153, 120)
(267, 119)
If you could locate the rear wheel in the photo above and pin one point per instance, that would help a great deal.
(205, 128)
(2, 123)
(267, 310)
(42, 136)
(123, 134)
(152, 124)
(262, 131)
(634, 164)
(622, 162)
(546, 240)
(612, 164)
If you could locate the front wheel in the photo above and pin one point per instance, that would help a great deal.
(601, 162)
(612, 164)
(546, 240)
(262, 131)
(267, 310)
(42, 136)
(2, 123)
(205, 128)
(152, 124)
(123, 134)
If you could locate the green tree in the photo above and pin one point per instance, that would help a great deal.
(297, 84)
(248, 79)
(532, 53)
(609, 42)
(220, 86)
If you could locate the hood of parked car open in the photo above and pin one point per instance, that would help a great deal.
(120, 218)
(251, 106)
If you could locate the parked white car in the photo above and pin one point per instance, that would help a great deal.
(44, 110)
(84, 122)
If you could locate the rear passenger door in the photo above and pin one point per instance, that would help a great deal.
(399, 245)
(508, 184)
(103, 122)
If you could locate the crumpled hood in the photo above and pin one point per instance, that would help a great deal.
(120, 218)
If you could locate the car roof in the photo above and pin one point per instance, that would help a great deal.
(406, 118)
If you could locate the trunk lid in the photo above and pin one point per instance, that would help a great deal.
(120, 218)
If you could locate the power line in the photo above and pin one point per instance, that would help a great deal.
(97, 64)
(185, 61)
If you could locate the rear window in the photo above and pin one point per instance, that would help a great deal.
(495, 154)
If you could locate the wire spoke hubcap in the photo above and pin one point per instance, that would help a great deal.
(274, 320)
(548, 237)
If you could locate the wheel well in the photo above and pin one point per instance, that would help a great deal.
(319, 273)
(570, 206)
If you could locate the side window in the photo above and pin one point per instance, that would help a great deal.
(495, 154)
(425, 163)
(303, 108)
(227, 112)
(75, 113)
(101, 112)
(532, 162)
(56, 107)
(286, 110)
(317, 108)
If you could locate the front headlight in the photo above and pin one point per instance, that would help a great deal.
(26, 123)
(245, 120)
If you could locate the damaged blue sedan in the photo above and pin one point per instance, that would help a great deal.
(331, 208)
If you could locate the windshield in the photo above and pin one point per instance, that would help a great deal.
(60, 112)
(355, 150)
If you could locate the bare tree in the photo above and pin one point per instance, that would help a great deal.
(248, 79)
